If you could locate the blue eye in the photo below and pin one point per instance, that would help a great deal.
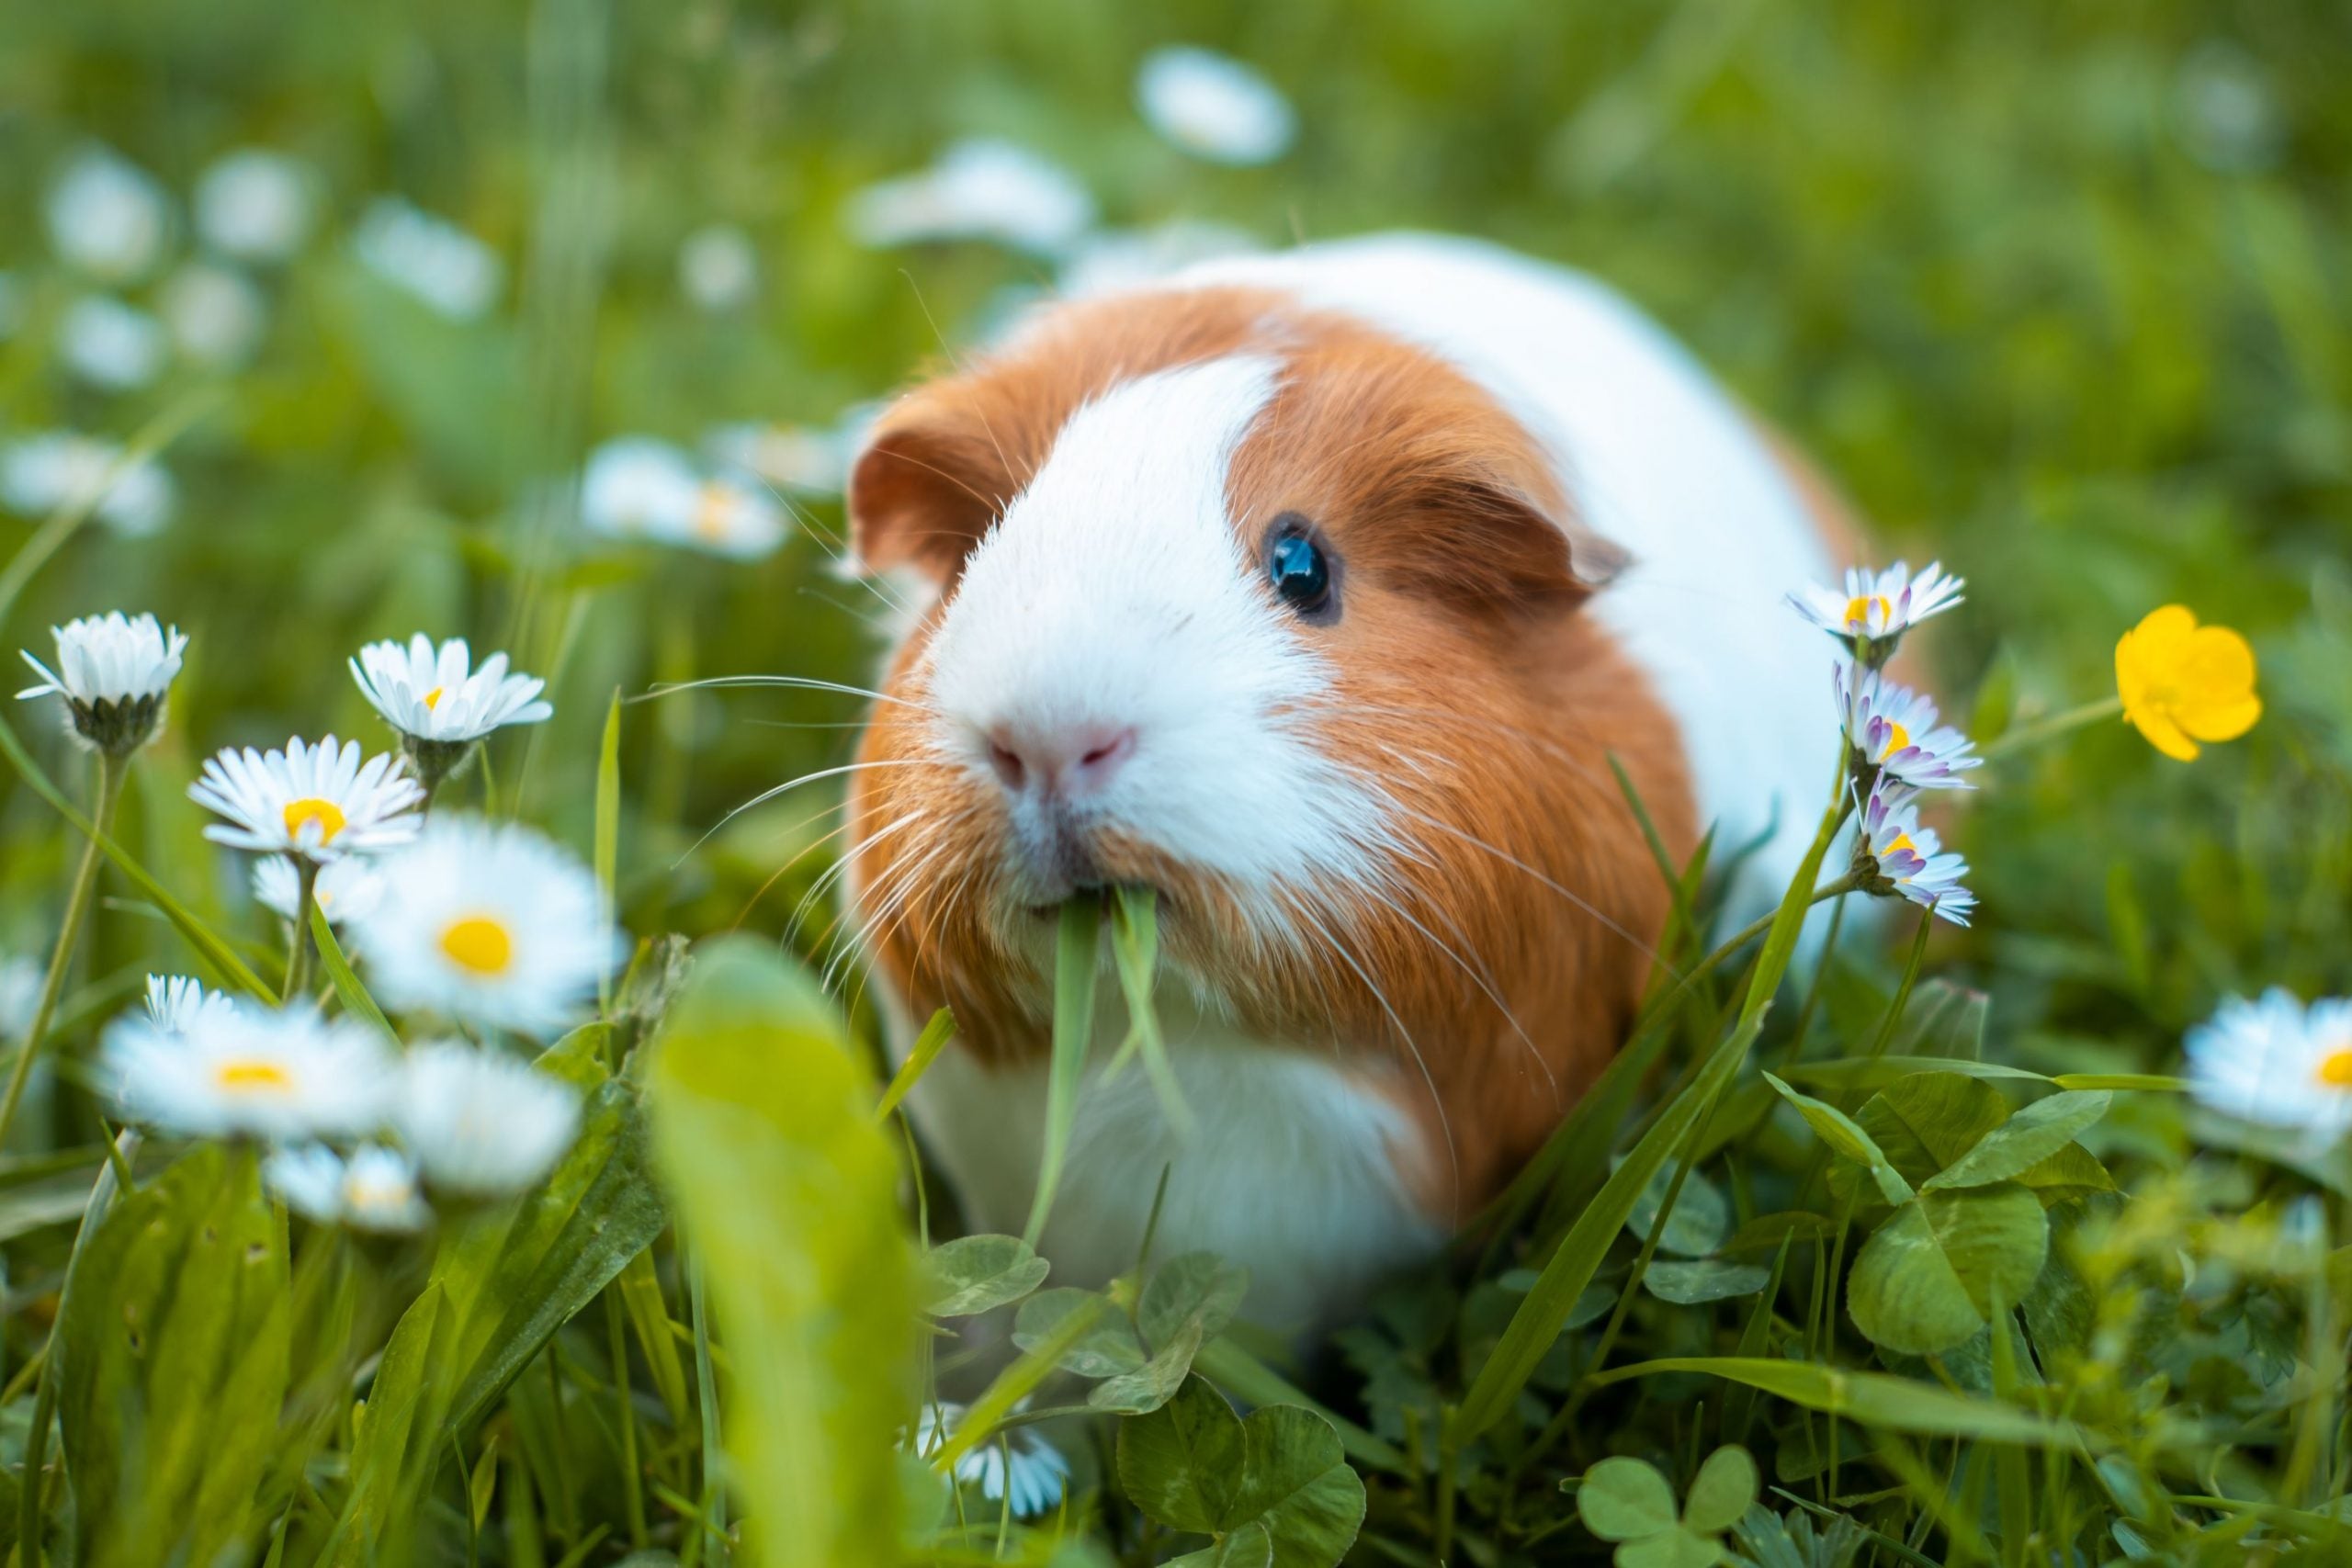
(1300, 574)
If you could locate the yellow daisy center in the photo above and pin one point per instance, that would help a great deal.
(432, 698)
(252, 1075)
(1897, 737)
(712, 510)
(300, 814)
(478, 943)
(1857, 609)
(2335, 1069)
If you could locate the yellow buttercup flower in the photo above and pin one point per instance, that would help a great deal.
(2182, 682)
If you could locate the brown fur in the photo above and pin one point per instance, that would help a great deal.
(1500, 973)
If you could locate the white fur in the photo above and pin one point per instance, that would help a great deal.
(1292, 1171)
(1659, 459)
(1113, 591)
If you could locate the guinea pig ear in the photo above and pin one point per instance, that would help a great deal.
(1501, 545)
(923, 493)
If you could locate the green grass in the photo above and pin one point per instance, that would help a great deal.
(2056, 293)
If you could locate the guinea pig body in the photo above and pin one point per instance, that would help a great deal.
(1315, 592)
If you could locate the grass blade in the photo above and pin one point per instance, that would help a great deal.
(1880, 1400)
(608, 831)
(354, 996)
(927, 1047)
(1074, 949)
(1134, 953)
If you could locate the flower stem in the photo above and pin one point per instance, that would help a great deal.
(2053, 726)
(298, 961)
(61, 957)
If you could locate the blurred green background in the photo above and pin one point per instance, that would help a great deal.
(2057, 292)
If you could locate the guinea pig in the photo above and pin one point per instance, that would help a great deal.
(1315, 592)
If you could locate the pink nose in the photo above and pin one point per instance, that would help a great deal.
(1064, 763)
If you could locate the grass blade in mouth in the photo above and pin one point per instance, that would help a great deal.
(1075, 942)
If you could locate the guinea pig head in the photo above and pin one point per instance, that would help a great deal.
(1281, 618)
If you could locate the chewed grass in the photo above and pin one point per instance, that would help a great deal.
(442, 1112)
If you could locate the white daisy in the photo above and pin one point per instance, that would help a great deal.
(1111, 260)
(480, 1123)
(790, 457)
(429, 258)
(1214, 107)
(20, 984)
(435, 695)
(493, 926)
(1879, 606)
(113, 671)
(235, 1071)
(175, 1001)
(216, 315)
(2276, 1062)
(318, 802)
(1017, 1466)
(254, 205)
(46, 473)
(636, 487)
(113, 346)
(981, 189)
(375, 1189)
(108, 217)
(1894, 729)
(1909, 859)
(719, 268)
(346, 889)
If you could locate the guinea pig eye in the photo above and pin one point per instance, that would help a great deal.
(1300, 570)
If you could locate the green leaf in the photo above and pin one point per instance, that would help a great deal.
(1678, 1548)
(2072, 1172)
(354, 997)
(1252, 1381)
(1076, 938)
(173, 1364)
(787, 1189)
(1701, 1220)
(1692, 1282)
(1721, 1492)
(1873, 1399)
(1108, 1347)
(973, 1273)
(1926, 1278)
(1194, 1284)
(395, 1442)
(2035, 1133)
(1156, 1382)
(1927, 1120)
(1848, 1138)
(1191, 1465)
(649, 1320)
(1623, 1498)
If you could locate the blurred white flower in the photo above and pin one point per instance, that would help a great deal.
(345, 890)
(234, 1071)
(20, 982)
(1214, 107)
(1908, 858)
(2276, 1062)
(108, 217)
(216, 315)
(790, 457)
(1894, 729)
(981, 189)
(316, 801)
(254, 205)
(1110, 260)
(113, 346)
(2225, 109)
(639, 488)
(175, 1001)
(434, 694)
(429, 258)
(375, 1189)
(44, 473)
(480, 1123)
(493, 926)
(1880, 605)
(718, 267)
(113, 671)
(1016, 1467)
